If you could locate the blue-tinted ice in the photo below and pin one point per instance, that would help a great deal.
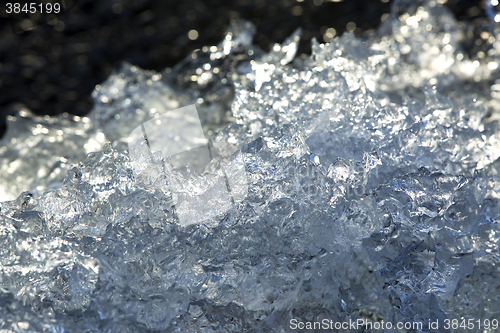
(373, 191)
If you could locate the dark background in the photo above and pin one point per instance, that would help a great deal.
(54, 67)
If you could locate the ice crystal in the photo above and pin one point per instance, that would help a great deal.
(372, 177)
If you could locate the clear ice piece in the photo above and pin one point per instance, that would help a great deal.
(176, 138)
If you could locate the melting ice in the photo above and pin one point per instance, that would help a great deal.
(373, 190)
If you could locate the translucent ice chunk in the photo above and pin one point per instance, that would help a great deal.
(177, 138)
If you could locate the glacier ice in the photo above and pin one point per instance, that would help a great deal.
(373, 178)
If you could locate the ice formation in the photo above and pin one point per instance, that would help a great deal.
(373, 191)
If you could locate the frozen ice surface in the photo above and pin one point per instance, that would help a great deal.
(373, 179)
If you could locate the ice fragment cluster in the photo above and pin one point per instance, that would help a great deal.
(373, 191)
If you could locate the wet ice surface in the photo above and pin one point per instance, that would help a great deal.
(371, 193)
